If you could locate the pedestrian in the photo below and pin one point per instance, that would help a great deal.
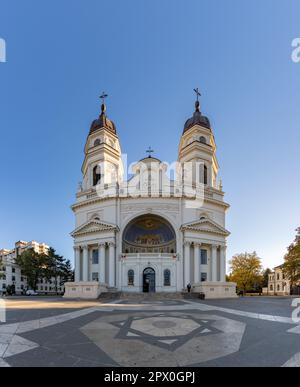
(189, 286)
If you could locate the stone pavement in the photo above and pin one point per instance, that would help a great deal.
(242, 332)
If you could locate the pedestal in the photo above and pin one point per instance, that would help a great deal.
(216, 289)
(84, 290)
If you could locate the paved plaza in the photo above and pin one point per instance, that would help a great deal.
(255, 331)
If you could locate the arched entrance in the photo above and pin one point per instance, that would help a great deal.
(149, 280)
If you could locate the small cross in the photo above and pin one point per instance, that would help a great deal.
(103, 96)
(149, 150)
(198, 94)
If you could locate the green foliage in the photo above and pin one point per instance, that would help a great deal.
(44, 266)
(291, 266)
(246, 271)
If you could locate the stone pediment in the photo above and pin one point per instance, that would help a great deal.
(205, 226)
(94, 226)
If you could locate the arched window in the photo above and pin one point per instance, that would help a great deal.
(130, 277)
(167, 277)
(96, 175)
(97, 142)
(205, 175)
(278, 287)
(271, 287)
(203, 140)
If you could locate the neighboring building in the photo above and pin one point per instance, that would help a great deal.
(151, 232)
(278, 284)
(11, 273)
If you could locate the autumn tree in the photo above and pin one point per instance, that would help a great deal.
(291, 266)
(246, 271)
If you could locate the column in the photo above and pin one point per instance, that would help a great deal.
(214, 267)
(101, 258)
(186, 264)
(197, 265)
(112, 264)
(85, 264)
(222, 263)
(77, 263)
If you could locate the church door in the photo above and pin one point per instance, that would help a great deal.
(149, 280)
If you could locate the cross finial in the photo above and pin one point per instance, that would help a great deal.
(198, 94)
(197, 104)
(103, 96)
(149, 151)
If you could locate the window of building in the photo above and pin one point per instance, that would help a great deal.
(95, 257)
(278, 277)
(205, 174)
(271, 287)
(203, 140)
(278, 287)
(4, 277)
(96, 175)
(13, 278)
(95, 277)
(203, 277)
(203, 257)
(97, 142)
(167, 277)
(22, 279)
(130, 277)
(3, 286)
(13, 270)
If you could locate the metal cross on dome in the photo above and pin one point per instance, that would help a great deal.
(198, 94)
(103, 96)
(149, 151)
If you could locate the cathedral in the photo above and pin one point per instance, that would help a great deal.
(153, 227)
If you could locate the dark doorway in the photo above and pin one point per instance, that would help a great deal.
(149, 280)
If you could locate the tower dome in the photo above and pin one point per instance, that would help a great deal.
(197, 119)
(103, 122)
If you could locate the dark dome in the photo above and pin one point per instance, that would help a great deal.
(103, 122)
(197, 119)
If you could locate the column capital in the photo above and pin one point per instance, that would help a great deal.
(187, 243)
(76, 248)
(101, 244)
(85, 246)
(198, 244)
(111, 244)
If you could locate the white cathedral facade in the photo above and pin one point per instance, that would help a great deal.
(159, 230)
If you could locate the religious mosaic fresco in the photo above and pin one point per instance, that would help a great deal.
(149, 234)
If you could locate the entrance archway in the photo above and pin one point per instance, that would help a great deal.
(149, 280)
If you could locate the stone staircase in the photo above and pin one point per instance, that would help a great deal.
(114, 294)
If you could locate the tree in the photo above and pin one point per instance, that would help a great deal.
(265, 280)
(291, 266)
(33, 266)
(67, 272)
(246, 271)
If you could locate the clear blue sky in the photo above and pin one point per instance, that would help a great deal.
(149, 55)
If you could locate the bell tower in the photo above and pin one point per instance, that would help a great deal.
(102, 161)
(197, 144)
